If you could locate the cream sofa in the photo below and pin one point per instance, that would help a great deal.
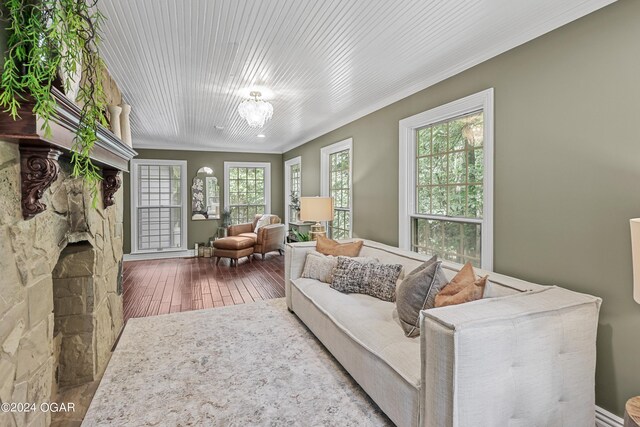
(524, 355)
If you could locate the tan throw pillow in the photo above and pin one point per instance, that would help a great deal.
(327, 246)
(464, 287)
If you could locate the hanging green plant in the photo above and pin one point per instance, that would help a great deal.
(46, 37)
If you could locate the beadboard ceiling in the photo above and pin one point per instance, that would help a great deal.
(182, 64)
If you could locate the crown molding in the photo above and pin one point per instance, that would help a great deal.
(214, 148)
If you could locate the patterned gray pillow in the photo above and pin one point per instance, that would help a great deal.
(418, 292)
(320, 267)
(377, 280)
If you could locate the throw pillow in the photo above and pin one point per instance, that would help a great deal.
(418, 292)
(377, 280)
(464, 287)
(327, 246)
(264, 220)
(320, 267)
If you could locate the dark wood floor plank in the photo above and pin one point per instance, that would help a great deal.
(173, 285)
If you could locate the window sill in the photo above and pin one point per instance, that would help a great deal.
(141, 256)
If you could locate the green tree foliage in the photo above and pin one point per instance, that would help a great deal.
(246, 193)
(449, 178)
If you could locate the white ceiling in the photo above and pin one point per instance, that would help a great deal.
(181, 64)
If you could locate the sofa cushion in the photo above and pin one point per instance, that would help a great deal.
(233, 242)
(377, 280)
(418, 292)
(370, 322)
(252, 236)
(332, 247)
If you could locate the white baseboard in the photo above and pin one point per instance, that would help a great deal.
(159, 255)
(605, 418)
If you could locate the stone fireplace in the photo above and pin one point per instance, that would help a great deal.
(60, 305)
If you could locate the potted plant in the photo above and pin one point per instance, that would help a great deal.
(226, 222)
(301, 237)
(48, 39)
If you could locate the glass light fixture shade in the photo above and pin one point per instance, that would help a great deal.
(255, 111)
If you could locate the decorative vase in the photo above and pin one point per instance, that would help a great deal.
(114, 119)
(125, 125)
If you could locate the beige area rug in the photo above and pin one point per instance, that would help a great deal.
(246, 365)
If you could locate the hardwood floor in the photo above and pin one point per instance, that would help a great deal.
(182, 284)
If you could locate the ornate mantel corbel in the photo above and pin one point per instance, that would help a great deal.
(38, 169)
(110, 184)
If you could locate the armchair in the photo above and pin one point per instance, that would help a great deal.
(269, 238)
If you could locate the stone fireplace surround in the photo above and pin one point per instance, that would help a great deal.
(60, 305)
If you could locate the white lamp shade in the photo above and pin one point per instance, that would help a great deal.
(316, 209)
(635, 256)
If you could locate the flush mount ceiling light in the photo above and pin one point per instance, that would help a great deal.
(255, 111)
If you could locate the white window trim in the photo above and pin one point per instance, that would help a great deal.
(325, 152)
(267, 181)
(406, 194)
(134, 205)
(287, 185)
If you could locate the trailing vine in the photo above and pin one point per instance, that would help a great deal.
(45, 36)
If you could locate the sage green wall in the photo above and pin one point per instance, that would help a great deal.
(567, 171)
(200, 231)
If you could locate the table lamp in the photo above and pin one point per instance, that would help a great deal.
(316, 209)
(635, 257)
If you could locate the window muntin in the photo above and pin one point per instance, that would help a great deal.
(158, 206)
(294, 187)
(449, 189)
(340, 190)
(247, 193)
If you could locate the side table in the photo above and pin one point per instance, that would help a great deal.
(632, 412)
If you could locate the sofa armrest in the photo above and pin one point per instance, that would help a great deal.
(295, 255)
(525, 359)
(234, 230)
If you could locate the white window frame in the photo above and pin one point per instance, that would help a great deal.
(327, 151)
(287, 185)
(407, 168)
(267, 181)
(134, 204)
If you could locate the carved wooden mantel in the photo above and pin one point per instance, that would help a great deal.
(39, 153)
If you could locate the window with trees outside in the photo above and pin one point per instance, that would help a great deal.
(158, 193)
(247, 190)
(293, 187)
(448, 186)
(336, 181)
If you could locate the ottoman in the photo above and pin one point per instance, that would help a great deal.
(233, 247)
